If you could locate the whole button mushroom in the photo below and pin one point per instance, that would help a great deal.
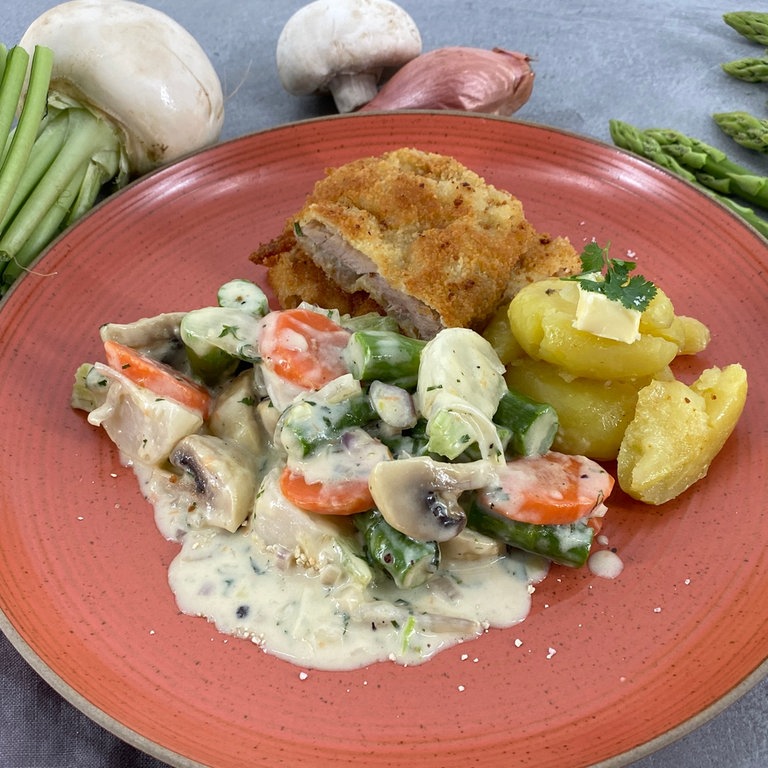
(343, 47)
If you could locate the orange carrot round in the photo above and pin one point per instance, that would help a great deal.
(344, 497)
(159, 378)
(552, 489)
(303, 347)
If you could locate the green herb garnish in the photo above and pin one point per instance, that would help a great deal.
(601, 274)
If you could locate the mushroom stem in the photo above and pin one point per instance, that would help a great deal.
(351, 91)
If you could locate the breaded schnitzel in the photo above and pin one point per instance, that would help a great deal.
(415, 235)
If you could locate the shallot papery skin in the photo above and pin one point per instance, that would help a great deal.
(495, 82)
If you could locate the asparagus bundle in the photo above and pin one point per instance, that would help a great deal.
(704, 166)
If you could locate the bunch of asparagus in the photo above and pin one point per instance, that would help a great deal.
(703, 165)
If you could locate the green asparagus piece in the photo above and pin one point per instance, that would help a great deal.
(532, 425)
(751, 24)
(217, 338)
(384, 356)
(409, 562)
(745, 129)
(370, 321)
(632, 139)
(751, 69)
(243, 294)
(307, 424)
(411, 442)
(563, 544)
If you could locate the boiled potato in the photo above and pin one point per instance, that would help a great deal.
(677, 431)
(592, 414)
(696, 335)
(541, 317)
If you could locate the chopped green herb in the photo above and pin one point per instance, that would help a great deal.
(601, 274)
(229, 330)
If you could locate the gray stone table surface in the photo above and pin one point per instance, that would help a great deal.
(650, 62)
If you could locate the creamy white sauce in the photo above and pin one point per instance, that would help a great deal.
(605, 563)
(254, 591)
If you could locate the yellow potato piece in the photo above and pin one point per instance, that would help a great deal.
(592, 415)
(541, 317)
(677, 431)
(696, 335)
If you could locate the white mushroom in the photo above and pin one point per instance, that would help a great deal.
(234, 417)
(343, 46)
(226, 478)
(420, 497)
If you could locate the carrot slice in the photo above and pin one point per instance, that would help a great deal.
(159, 378)
(553, 489)
(303, 347)
(345, 497)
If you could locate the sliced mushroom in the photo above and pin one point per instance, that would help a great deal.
(157, 336)
(420, 496)
(225, 476)
(234, 416)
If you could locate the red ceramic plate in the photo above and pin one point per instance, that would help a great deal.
(604, 671)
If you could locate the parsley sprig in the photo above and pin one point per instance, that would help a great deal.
(601, 274)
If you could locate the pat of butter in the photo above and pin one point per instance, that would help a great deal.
(601, 316)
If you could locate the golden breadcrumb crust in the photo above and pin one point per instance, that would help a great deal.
(435, 231)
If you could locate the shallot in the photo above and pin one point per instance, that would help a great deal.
(94, 114)
(494, 81)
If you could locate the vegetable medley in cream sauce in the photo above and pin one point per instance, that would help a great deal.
(345, 494)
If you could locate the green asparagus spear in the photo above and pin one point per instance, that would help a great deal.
(712, 167)
(745, 129)
(563, 544)
(409, 562)
(751, 24)
(384, 356)
(750, 69)
(632, 139)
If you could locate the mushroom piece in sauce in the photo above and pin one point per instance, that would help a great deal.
(226, 478)
(420, 496)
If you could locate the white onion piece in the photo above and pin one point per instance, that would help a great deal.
(138, 67)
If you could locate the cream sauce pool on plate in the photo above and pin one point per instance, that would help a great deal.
(253, 591)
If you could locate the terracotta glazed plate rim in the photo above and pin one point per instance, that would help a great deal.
(619, 173)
